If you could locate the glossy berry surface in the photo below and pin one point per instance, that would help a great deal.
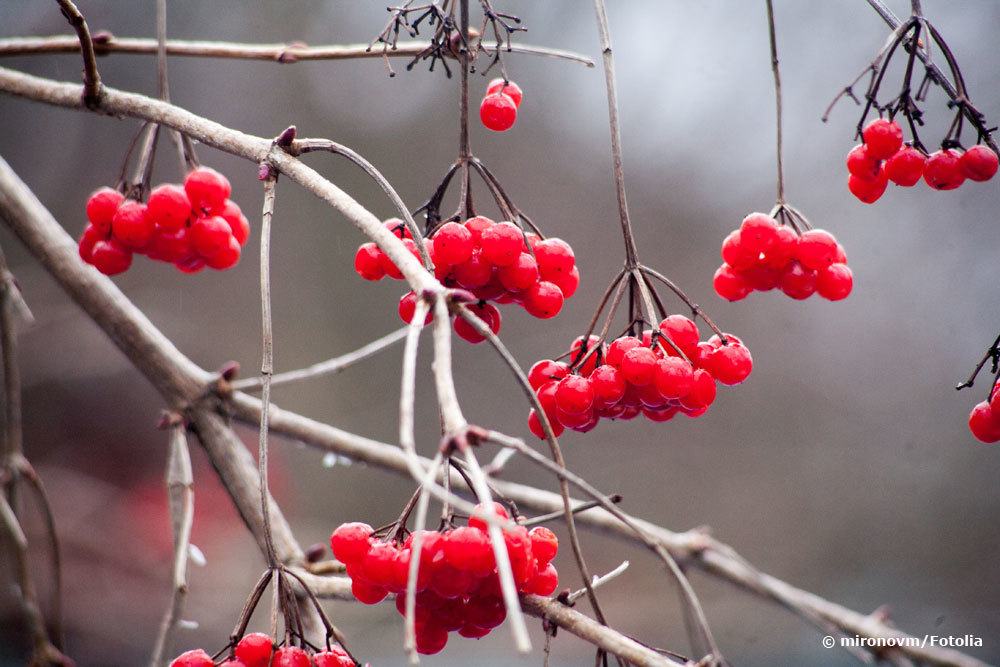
(979, 163)
(195, 658)
(883, 138)
(254, 650)
(498, 112)
(508, 88)
(943, 170)
(905, 167)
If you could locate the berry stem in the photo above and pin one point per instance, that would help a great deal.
(551, 516)
(92, 87)
(267, 359)
(695, 308)
(992, 353)
(777, 101)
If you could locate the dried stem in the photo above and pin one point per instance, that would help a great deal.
(777, 99)
(267, 359)
(92, 88)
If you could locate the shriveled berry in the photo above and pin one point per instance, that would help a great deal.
(501, 243)
(254, 650)
(169, 207)
(498, 112)
(543, 300)
(131, 225)
(508, 88)
(979, 163)
(905, 167)
(101, 207)
(835, 282)
(883, 137)
(943, 170)
(574, 394)
(207, 189)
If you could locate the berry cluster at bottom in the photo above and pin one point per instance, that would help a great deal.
(258, 650)
(458, 588)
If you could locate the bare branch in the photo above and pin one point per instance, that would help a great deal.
(91, 77)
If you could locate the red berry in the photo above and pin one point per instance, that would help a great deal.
(566, 282)
(545, 582)
(862, 165)
(730, 364)
(169, 207)
(484, 311)
(227, 257)
(190, 265)
(762, 278)
(452, 244)
(554, 256)
(170, 246)
(730, 285)
(535, 425)
(905, 167)
(702, 391)
(547, 397)
(351, 541)
(798, 282)
(110, 257)
(758, 232)
(469, 549)
(368, 262)
(979, 163)
(508, 88)
(498, 510)
(408, 307)
(984, 424)
(101, 207)
(195, 658)
(237, 221)
(682, 331)
(659, 414)
(231, 663)
(90, 236)
(943, 170)
(477, 225)
(474, 272)
(210, 235)
(592, 357)
(609, 385)
(335, 657)
(883, 138)
(734, 254)
(574, 394)
(501, 243)
(817, 249)
(835, 282)
(545, 371)
(543, 300)
(431, 638)
(131, 225)
(618, 348)
(868, 191)
(639, 366)
(544, 544)
(207, 189)
(520, 275)
(498, 112)
(783, 249)
(254, 650)
(674, 377)
(290, 656)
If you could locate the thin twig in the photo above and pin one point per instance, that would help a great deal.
(92, 88)
(777, 99)
(267, 359)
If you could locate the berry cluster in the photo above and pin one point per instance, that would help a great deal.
(191, 227)
(763, 255)
(498, 110)
(883, 157)
(658, 378)
(258, 650)
(984, 420)
(457, 584)
(495, 261)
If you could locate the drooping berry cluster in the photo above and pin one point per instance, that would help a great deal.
(258, 650)
(659, 378)
(495, 261)
(883, 157)
(191, 227)
(984, 420)
(457, 584)
(498, 110)
(763, 255)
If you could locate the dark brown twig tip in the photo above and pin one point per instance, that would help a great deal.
(229, 370)
(287, 136)
(286, 57)
(315, 553)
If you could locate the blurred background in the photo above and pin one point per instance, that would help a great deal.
(844, 465)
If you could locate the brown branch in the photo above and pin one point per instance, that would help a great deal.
(92, 87)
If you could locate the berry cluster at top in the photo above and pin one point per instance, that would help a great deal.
(457, 585)
(658, 378)
(883, 157)
(258, 650)
(763, 255)
(495, 261)
(498, 110)
(192, 227)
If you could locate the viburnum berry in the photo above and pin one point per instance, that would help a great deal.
(238, 222)
(731, 364)
(367, 593)
(566, 282)
(544, 544)
(194, 658)
(168, 207)
(868, 190)
(798, 282)
(431, 638)
(618, 347)
(729, 284)
(207, 189)
(210, 235)
(702, 392)
(408, 307)
(227, 257)
(254, 650)
(674, 377)
(498, 112)
(817, 249)
(835, 282)
(91, 235)
(535, 425)
(545, 371)
(351, 541)
(883, 137)
(639, 366)
(608, 384)
(131, 225)
(368, 263)
(979, 163)
(984, 423)
(574, 394)
(861, 164)
(733, 253)
(905, 167)
(291, 656)
(501, 243)
(508, 88)
(495, 508)
(943, 170)
(520, 275)
(334, 657)
(758, 232)
(170, 246)
(452, 243)
(554, 256)
(101, 208)
(545, 582)
(474, 272)
(484, 311)
(110, 257)
(682, 331)
(543, 300)
(590, 352)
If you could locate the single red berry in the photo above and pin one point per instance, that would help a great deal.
(408, 307)
(91, 235)
(501, 244)
(798, 282)
(729, 284)
(835, 282)
(378, 565)
(868, 190)
(544, 544)
(207, 189)
(101, 207)
(581, 423)
(984, 424)
(452, 244)
(497, 510)
(210, 236)
(618, 348)
(674, 377)
(609, 385)
(398, 228)
(484, 311)
(862, 165)
(639, 366)
(574, 394)
(335, 657)
(702, 391)
(730, 364)
(254, 650)
(368, 262)
(545, 371)
(979, 163)
(543, 300)
(578, 351)
(195, 658)
(190, 264)
(783, 249)
(566, 282)
(995, 399)
(883, 137)
(682, 331)
(905, 167)
(762, 278)
(170, 246)
(498, 112)
(351, 541)
(547, 397)
(943, 170)
(520, 275)
(431, 638)
(660, 414)
(545, 582)
(131, 225)
(477, 225)
(237, 221)
(554, 256)
(817, 249)
(169, 207)
(535, 425)
(290, 656)
(468, 548)
(758, 232)
(226, 258)
(735, 255)
(474, 272)
(110, 257)
(508, 88)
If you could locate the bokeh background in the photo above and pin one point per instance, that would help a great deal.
(843, 465)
